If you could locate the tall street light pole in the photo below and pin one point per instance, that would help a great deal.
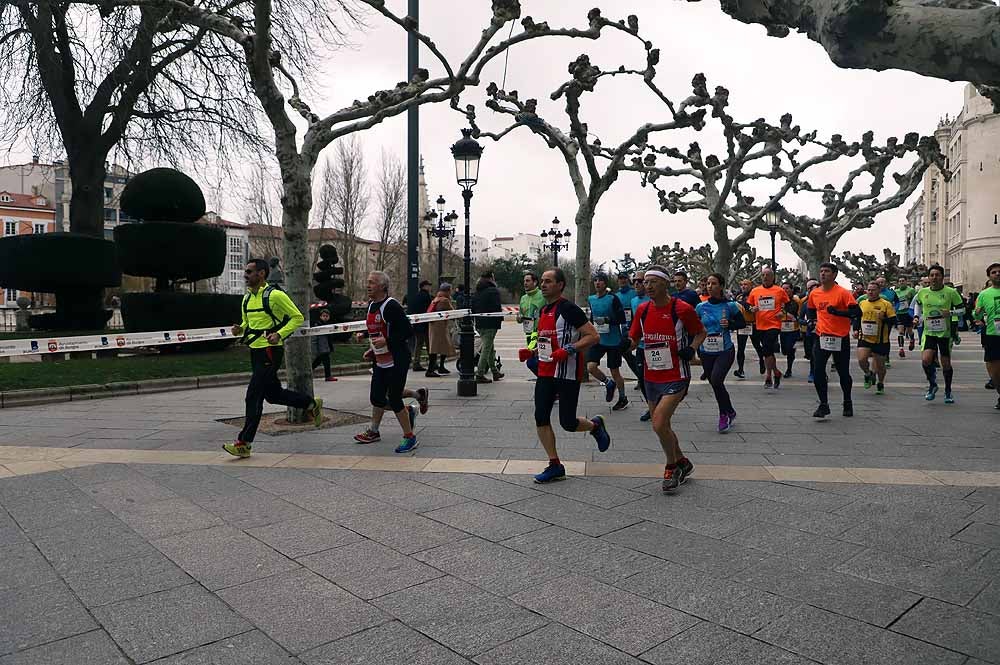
(772, 218)
(412, 161)
(444, 228)
(467, 152)
(556, 243)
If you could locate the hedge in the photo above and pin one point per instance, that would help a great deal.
(52, 262)
(163, 195)
(171, 250)
(176, 310)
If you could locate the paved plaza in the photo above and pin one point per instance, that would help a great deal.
(127, 537)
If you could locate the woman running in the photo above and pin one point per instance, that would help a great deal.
(719, 315)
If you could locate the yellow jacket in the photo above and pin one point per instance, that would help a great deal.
(255, 318)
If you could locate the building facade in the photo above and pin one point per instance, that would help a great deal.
(956, 223)
(237, 254)
(529, 244)
(23, 214)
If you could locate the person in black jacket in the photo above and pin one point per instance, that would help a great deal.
(487, 299)
(419, 306)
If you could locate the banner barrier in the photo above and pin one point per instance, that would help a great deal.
(42, 345)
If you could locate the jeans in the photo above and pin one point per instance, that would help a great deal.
(487, 357)
(716, 366)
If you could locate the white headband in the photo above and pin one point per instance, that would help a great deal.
(657, 273)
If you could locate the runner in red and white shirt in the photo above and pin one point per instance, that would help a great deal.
(564, 333)
(670, 330)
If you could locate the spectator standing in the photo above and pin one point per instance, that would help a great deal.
(419, 306)
(439, 341)
(487, 300)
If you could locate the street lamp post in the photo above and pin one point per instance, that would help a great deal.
(772, 218)
(445, 228)
(467, 152)
(556, 243)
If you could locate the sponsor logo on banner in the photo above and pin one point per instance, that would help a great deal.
(120, 341)
(104, 341)
(222, 332)
(53, 345)
(34, 345)
(166, 336)
(181, 336)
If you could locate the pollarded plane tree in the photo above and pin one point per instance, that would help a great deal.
(250, 24)
(593, 167)
(698, 262)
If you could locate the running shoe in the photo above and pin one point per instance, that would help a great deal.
(739, 374)
(620, 404)
(788, 373)
(768, 384)
(888, 363)
(686, 467)
(732, 418)
(552, 472)
(483, 379)
(724, 424)
(609, 390)
(997, 405)
(703, 377)
(600, 433)
(368, 436)
(498, 375)
(848, 409)
(762, 368)
(869, 380)
(912, 344)
(902, 353)
(931, 392)
(408, 444)
(238, 449)
(810, 379)
(672, 479)
(316, 412)
(646, 417)
(331, 378)
(432, 374)
(949, 398)
(989, 385)
(777, 380)
(879, 388)
(637, 387)
(822, 411)
(422, 395)
(442, 370)
(956, 340)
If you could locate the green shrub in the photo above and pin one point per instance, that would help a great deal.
(163, 194)
(176, 310)
(171, 250)
(52, 262)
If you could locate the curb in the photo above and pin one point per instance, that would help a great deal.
(36, 396)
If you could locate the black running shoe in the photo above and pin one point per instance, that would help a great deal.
(848, 409)
(822, 411)
(685, 465)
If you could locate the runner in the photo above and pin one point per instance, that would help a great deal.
(873, 329)
(671, 331)
(789, 327)
(767, 302)
(527, 314)
(389, 334)
(808, 327)
(933, 313)
(987, 316)
(608, 316)
(683, 292)
(746, 333)
(564, 333)
(625, 294)
(639, 281)
(719, 315)
(265, 333)
(904, 315)
(832, 306)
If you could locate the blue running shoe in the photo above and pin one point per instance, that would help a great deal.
(948, 398)
(931, 393)
(646, 417)
(609, 388)
(407, 445)
(810, 377)
(600, 432)
(552, 472)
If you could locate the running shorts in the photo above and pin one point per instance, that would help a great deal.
(597, 352)
(878, 348)
(768, 341)
(940, 344)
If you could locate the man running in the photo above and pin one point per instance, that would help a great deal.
(639, 281)
(269, 317)
(608, 316)
(767, 303)
(625, 294)
(564, 333)
(671, 331)
(682, 291)
(873, 329)
(904, 314)
(832, 306)
(389, 334)
(789, 335)
(527, 314)
(933, 312)
(987, 317)
(747, 333)
(719, 315)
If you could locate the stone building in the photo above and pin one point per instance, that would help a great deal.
(956, 223)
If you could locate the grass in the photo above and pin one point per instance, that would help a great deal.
(23, 376)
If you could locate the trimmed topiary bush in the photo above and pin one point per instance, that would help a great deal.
(171, 251)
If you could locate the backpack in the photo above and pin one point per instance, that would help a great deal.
(265, 300)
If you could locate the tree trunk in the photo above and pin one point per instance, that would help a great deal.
(584, 227)
(86, 205)
(723, 263)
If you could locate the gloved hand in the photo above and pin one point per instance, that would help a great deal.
(831, 309)
(369, 355)
(524, 354)
(625, 344)
(687, 353)
(560, 355)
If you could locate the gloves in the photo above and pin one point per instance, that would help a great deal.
(560, 355)
(369, 355)
(687, 353)
(524, 354)
(625, 344)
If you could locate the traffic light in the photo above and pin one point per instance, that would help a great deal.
(327, 284)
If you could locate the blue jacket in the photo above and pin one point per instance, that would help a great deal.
(636, 301)
(607, 309)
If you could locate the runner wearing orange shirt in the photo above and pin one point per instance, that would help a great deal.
(833, 307)
(767, 302)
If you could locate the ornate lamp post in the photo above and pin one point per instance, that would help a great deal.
(555, 242)
(772, 218)
(445, 228)
(467, 152)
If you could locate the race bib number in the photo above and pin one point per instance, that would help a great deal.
(743, 332)
(602, 325)
(628, 316)
(869, 328)
(830, 343)
(379, 346)
(713, 344)
(545, 349)
(936, 324)
(528, 325)
(766, 304)
(788, 326)
(658, 357)
(996, 326)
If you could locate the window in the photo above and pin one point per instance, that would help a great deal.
(39, 229)
(236, 262)
(11, 295)
(10, 228)
(108, 194)
(6, 198)
(110, 215)
(235, 280)
(235, 246)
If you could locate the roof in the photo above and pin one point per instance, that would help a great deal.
(219, 221)
(315, 235)
(26, 201)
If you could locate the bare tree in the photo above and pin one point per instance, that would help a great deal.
(344, 199)
(955, 40)
(390, 193)
(261, 208)
(861, 268)
(700, 261)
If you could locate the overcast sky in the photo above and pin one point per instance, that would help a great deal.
(523, 185)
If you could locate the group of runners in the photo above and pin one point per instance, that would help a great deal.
(657, 326)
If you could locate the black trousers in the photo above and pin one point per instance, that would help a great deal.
(324, 360)
(265, 386)
(841, 361)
